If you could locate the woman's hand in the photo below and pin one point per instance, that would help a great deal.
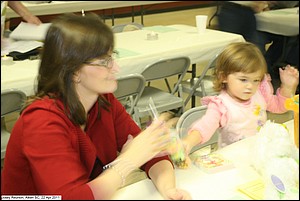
(177, 194)
(147, 144)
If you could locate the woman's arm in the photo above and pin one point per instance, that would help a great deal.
(135, 152)
(163, 176)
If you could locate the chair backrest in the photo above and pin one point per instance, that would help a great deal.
(130, 87)
(187, 119)
(164, 100)
(166, 68)
(202, 79)
(11, 101)
(127, 27)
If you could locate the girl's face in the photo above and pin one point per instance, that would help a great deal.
(242, 86)
(96, 77)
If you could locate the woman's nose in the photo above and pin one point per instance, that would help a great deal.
(116, 67)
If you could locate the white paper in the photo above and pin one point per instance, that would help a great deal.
(20, 46)
(27, 31)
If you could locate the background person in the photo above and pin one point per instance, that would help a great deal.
(20, 9)
(276, 45)
(239, 17)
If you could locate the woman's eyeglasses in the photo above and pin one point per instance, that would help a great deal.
(106, 63)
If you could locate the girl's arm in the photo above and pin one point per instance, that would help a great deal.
(289, 77)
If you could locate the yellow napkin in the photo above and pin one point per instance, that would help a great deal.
(254, 189)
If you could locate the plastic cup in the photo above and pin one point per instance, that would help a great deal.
(201, 23)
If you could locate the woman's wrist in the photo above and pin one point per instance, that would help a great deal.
(122, 167)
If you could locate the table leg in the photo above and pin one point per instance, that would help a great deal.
(112, 17)
(142, 15)
(193, 101)
(132, 13)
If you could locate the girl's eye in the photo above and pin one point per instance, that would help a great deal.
(243, 80)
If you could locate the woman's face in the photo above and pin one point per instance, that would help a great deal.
(96, 77)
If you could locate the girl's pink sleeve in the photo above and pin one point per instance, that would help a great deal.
(214, 118)
(275, 103)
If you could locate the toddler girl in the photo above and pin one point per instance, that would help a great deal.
(245, 95)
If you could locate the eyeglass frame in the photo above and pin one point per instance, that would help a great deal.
(107, 62)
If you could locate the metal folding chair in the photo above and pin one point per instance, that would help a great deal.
(202, 85)
(127, 27)
(129, 91)
(187, 119)
(11, 101)
(164, 100)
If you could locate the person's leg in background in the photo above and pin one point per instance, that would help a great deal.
(274, 53)
(292, 57)
(239, 19)
(283, 50)
(293, 54)
(274, 58)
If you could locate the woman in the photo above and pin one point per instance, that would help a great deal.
(67, 139)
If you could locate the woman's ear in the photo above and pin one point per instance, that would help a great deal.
(76, 77)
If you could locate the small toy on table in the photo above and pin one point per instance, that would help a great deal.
(293, 104)
(212, 163)
(178, 153)
(175, 147)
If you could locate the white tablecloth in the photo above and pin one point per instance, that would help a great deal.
(173, 40)
(281, 21)
(203, 186)
(135, 52)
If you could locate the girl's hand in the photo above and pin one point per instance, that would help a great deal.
(187, 150)
(289, 76)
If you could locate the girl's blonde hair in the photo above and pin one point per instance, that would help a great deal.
(242, 57)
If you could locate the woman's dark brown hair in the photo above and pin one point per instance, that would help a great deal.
(70, 41)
